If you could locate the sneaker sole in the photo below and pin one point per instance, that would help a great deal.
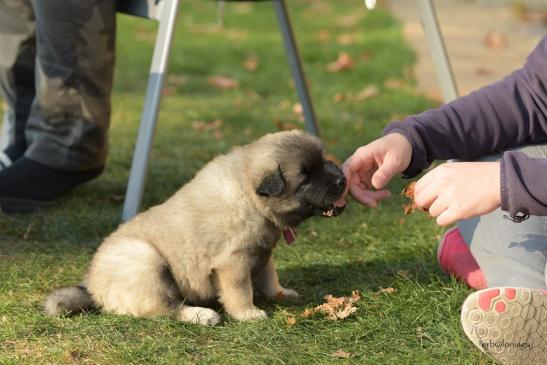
(509, 324)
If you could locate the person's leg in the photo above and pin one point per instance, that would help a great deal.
(508, 253)
(508, 320)
(17, 59)
(66, 131)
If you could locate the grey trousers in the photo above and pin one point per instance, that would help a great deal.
(510, 254)
(56, 70)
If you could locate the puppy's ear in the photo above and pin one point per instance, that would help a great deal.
(272, 184)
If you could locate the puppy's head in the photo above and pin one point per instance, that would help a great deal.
(293, 179)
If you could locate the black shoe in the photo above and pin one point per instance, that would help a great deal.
(27, 185)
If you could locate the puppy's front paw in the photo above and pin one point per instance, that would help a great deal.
(250, 315)
(285, 294)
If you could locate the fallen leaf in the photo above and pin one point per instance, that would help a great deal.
(291, 320)
(389, 290)
(177, 80)
(284, 104)
(211, 125)
(218, 134)
(341, 354)
(284, 126)
(367, 55)
(338, 98)
(323, 35)
(345, 39)
(223, 82)
(344, 62)
(335, 308)
(495, 40)
(394, 84)
(251, 64)
(350, 20)
(168, 90)
(144, 34)
(367, 93)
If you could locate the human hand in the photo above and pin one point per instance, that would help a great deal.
(372, 166)
(459, 190)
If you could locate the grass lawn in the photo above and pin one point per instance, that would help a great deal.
(363, 249)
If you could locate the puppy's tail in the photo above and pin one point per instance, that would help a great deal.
(68, 301)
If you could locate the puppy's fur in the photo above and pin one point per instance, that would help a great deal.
(213, 239)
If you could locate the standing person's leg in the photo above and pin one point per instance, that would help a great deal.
(66, 131)
(17, 41)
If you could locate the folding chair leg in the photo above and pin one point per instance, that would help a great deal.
(145, 138)
(437, 49)
(295, 65)
(4, 137)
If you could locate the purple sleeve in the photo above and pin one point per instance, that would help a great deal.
(508, 113)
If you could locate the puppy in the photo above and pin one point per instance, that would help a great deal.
(213, 239)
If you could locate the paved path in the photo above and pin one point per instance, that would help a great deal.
(465, 25)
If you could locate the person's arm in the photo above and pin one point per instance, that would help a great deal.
(508, 113)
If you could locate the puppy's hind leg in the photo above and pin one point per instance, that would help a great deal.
(128, 276)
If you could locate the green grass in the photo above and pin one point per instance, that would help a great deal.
(361, 250)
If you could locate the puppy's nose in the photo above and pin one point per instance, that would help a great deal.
(341, 182)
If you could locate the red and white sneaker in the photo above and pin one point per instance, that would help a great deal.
(455, 258)
(509, 324)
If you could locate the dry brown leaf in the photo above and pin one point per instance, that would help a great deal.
(367, 55)
(338, 98)
(323, 35)
(341, 354)
(211, 125)
(284, 126)
(389, 290)
(284, 104)
(335, 308)
(251, 64)
(168, 90)
(495, 40)
(367, 93)
(223, 82)
(144, 34)
(218, 134)
(408, 192)
(177, 80)
(344, 62)
(345, 39)
(291, 321)
(350, 20)
(394, 84)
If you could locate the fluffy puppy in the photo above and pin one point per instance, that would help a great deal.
(213, 239)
